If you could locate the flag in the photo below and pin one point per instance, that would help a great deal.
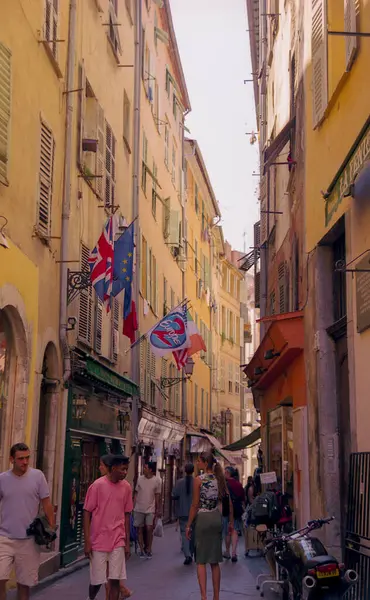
(130, 324)
(196, 344)
(170, 333)
(123, 267)
(101, 264)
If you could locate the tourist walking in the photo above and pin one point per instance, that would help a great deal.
(183, 496)
(105, 463)
(250, 494)
(147, 507)
(237, 496)
(209, 493)
(107, 509)
(22, 491)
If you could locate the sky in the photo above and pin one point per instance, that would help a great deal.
(214, 48)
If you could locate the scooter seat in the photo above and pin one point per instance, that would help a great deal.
(319, 561)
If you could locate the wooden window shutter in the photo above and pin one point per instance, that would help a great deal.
(81, 112)
(98, 324)
(85, 304)
(319, 50)
(350, 24)
(147, 373)
(257, 235)
(115, 330)
(143, 346)
(283, 279)
(152, 376)
(5, 106)
(47, 148)
(110, 167)
(100, 155)
(51, 25)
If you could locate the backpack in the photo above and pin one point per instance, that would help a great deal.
(41, 531)
(285, 510)
(265, 510)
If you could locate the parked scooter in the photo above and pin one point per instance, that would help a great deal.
(309, 572)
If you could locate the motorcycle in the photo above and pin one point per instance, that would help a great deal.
(308, 571)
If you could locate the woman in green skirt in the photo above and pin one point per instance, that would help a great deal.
(209, 492)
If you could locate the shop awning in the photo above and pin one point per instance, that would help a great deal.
(245, 442)
(153, 428)
(88, 368)
(284, 341)
(214, 443)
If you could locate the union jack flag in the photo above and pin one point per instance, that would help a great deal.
(101, 264)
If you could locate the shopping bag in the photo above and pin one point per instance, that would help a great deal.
(158, 530)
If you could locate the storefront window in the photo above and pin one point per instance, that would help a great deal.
(280, 446)
(5, 354)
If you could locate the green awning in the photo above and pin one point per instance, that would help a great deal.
(245, 442)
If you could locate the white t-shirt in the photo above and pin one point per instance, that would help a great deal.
(146, 490)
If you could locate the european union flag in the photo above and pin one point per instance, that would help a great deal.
(123, 267)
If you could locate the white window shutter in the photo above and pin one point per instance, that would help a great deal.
(319, 51)
(100, 155)
(85, 303)
(5, 104)
(98, 324)
(81, 111)
(350, 24)
(174, 227)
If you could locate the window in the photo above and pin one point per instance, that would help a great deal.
(110, 167)
(165, 293)
(113, 30)
(195, 404)
(172, 299)
(100, 155)
(202, 408)
(5, 104)
(222, 378)
(196, 270)
(168, 83)
(51, 25)
(196, 199)
(166, 144)
(174, 106)
(154, 191)
(144, 163)
(173, 173)
(237, 379)
(144, 266)
(85, 303)
(166, 215)
(47, 149)
(230, 378)
(126, 120)
(98, 325)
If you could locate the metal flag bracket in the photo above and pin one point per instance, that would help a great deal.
(76, 282)
(342, 267)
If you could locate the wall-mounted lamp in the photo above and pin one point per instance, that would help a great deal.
(270, 354)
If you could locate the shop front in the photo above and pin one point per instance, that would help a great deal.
(277, 376)
(98, 422)
(160, 441)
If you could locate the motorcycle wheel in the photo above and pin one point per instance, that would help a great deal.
(289, 594)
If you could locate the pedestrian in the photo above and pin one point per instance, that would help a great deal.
(147, 507)
(209, 493)
(183, 495)
(250, 494)
(107, 509)
(105, 463)
(237, 497)
(22, 491)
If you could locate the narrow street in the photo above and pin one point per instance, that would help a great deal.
(165, 577)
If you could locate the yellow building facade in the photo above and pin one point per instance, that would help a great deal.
(337, 216)
(201, 211)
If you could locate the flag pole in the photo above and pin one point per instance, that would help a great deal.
(185, 301)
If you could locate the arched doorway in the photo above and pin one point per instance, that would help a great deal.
(48, 414)
(14, 376)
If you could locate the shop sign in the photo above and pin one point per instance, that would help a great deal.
(354, 162)
(110, 378)
(363, 294)
(199, 444)
(268, 477)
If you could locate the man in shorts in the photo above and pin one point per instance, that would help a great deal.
(22, 490)
(107, 509)
(147, 505)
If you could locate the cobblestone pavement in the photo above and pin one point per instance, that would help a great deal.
(166, 578)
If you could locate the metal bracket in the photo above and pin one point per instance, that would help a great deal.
(166, 382)
(76, 282)
(341, 266)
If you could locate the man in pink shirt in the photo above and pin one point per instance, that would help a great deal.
(107, 509)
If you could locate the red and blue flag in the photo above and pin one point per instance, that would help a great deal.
(101, 265)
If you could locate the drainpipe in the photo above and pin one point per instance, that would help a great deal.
(66, 207)
(135, 352)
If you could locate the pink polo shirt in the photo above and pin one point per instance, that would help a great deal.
(108, 503)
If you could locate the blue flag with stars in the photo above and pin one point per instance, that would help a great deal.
(123, 267)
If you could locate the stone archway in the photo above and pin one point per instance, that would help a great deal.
(15, 379)
(48, 414)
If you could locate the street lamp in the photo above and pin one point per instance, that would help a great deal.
(228, 418)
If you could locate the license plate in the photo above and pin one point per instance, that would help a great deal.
(325, 575)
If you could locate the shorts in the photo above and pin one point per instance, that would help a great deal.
(24, 556)
(143, 519)
(116, 561)
(238, 526)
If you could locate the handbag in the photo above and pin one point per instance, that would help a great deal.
(41, 531)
